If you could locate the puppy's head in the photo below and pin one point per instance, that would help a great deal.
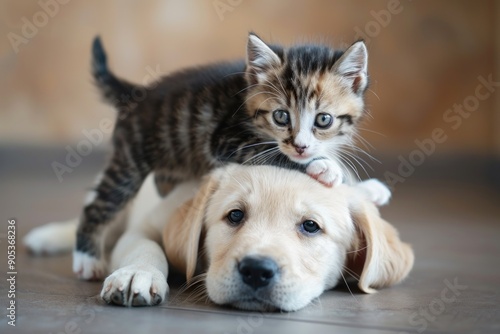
(275, 239)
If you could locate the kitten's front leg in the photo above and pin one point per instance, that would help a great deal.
(326, 171)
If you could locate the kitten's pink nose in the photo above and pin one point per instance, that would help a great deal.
(300, 149)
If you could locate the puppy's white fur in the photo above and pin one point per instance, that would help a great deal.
(353, 238)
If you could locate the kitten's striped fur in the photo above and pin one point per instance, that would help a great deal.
(201, 118)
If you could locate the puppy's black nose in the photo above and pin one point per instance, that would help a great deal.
(257, 272)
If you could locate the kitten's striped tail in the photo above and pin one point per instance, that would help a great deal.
(116, 91)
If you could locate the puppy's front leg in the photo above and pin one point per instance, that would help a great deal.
(138, 260)
(140, 272)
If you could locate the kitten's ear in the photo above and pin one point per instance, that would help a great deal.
(260, 57)
(353, 67)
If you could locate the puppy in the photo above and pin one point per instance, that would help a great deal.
(261, 237)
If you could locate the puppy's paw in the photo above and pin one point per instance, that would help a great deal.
(135, 285)
(375, 191)
(87, 267)
(52, 238)
(326, 172)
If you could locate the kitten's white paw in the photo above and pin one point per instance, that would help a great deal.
(87, 267)
(325, 171)
(52, 238)
(135, 285)
(376, 191)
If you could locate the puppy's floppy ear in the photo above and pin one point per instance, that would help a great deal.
(378, 256)
(181, 236)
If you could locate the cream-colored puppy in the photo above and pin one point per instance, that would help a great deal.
(273, 239)
(267, 239)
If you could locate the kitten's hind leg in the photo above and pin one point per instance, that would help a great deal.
(120, 182)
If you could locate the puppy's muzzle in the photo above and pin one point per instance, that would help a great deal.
(258, 271)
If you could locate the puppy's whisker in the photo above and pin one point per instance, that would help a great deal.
(348, 288)
(317, 302)
(199, 294)
(194, 281)
(357, 250)
(198, 287)
(351, 273)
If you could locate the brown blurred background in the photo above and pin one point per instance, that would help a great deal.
(425, 56)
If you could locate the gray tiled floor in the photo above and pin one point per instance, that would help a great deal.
(454, 229)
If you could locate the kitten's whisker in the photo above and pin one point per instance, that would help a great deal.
(269, 83)
(374, 93)
(252, 96)
(268, 157)
(276, 88)
(259, 154)
(372, 131)
(350, 164)
(258, 84)
(264, 102)
(281, 84)
(347, 156)
(264, 157)
(235, 73)
(367, 112)
(357, 158)
(366, 143)
(251, 145)
(360, 150)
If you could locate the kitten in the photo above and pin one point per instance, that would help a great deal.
(294, 107)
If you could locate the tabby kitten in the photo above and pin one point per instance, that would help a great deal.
(294, 107)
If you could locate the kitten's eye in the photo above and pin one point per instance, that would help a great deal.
(235, 217)
(281, 117)
(323, 120)
(310, 227)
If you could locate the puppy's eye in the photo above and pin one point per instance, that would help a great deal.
(281, 117)
(235, 217)
(310, 227)
(323, 120)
